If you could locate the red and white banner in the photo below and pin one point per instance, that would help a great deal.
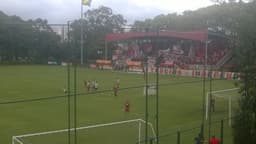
(182, 72)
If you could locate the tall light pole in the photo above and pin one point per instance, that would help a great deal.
(68, 89)
(211, 103)
(146, 99)
(157, 64)
(73, 61)
(88, 3)
(82, 37)
(157, 102)
(75, 104)
(205, 66)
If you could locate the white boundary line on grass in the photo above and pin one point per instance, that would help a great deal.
(15, 138)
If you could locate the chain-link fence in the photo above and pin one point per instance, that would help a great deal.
(220, 129)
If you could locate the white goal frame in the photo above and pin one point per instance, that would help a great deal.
(229, 103)
(139, 121)
(151, 89)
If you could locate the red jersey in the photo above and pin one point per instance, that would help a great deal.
(214, 141)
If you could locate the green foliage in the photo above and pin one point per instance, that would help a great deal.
(245, 125)
(219, 18)
(96, 24)
(27, 41)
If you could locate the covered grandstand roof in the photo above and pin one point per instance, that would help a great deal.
(198, 35)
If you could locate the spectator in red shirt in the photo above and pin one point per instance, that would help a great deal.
(214, 140)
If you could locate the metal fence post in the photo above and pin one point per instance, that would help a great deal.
(202, 132)
(151, 140)
(178, 137)
(221, 132)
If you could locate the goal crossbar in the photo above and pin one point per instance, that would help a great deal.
(16, 138)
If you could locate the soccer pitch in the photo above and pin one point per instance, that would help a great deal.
(180, 105)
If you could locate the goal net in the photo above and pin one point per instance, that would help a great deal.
(125, 132)
(221, 100)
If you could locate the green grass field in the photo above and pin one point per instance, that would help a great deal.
(180, 106)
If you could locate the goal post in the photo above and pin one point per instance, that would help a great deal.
(21, 139)
(151, 89)
(225, 93)
(15, 140)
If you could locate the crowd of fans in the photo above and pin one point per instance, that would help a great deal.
(178, 54)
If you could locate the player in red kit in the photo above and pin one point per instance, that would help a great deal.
(127, 106)
(214, 140)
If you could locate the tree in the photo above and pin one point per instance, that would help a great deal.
(245, 123)
(46, 42)
(14, 37)
(27, 40)
(96, 24)
(220, 18)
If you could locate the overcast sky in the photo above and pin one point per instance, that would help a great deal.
(60, 11)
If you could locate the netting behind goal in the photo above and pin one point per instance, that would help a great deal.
(225, 101)
(123, 132)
